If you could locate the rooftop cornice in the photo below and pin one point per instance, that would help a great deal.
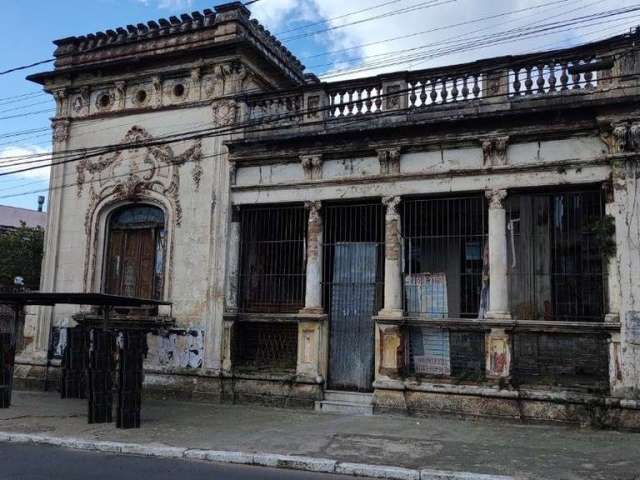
(76, 51)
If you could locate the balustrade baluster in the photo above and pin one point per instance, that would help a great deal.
(516, 82)
(552, 77)
(412, 96)
(378, 101)
(588, 77)
(541, 81)
(564, 77)
(444, 92)
(476, 86)
(465, 87)
(528, 83)
(575, 78)
(454, 90)
(433, 95)
(369, 102)
(423, 93)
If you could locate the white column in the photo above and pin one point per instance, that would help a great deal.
(233, 262)
(313, 292)
(498, 281)
(392, 260)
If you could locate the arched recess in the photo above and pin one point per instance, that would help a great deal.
(100, 242)
(135, 252)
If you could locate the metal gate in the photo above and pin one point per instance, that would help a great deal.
(354, 269)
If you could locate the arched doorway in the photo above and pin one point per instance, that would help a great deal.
(136, 240)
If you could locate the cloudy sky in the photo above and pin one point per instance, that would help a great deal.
(333, 38)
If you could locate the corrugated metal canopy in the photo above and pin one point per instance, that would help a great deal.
(100, 299)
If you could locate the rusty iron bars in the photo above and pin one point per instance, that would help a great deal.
(269, 346)
(445, 254)
(272, 249)
(446, 352)
(561, 359)
(353, 286)
(557, 244)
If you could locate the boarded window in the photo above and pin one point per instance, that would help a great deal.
(272, 275)
(445, 255)
(557, 263)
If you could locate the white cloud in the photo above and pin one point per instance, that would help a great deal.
(278, 16)
(169, 4)
(16, 156)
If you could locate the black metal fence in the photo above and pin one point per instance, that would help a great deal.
(266, 345)
(272, 250)
(558, 247)
(444, 256)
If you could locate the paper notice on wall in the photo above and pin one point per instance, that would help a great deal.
(434, 358)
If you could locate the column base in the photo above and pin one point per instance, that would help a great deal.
(612, 318)
(497, 315)
(391, 313)
(312, 311)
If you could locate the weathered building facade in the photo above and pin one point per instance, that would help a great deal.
(459, 240)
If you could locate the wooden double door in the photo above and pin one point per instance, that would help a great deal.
(132, 263)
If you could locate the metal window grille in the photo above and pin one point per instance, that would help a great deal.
(442, 352)
(445, 256)
(272, 249)
(266, 345)
(353, 286)
(561, 359)
(557, 266)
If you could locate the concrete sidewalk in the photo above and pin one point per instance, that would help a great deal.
(439, 443)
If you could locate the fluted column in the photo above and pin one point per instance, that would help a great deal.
(392, 260)
(498, 280)
(313, 292)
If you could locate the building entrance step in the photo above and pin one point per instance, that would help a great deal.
(351, 403)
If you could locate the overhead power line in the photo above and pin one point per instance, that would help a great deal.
(356, 119)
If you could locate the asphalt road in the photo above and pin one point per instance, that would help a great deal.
(36, 462)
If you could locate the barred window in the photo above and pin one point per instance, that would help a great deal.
(558, 243)
(445, 256)
(272, 249)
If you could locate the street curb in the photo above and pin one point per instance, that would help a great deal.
(291, 462)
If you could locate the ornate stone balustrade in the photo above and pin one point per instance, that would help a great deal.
(592, 68)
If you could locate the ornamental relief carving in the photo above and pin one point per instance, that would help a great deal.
(130, 173)
(622, 136)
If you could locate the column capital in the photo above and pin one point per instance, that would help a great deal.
(496, 198)
(314, 210)
(312, 166)
(392, 204)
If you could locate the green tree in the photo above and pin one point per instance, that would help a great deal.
(21, 255)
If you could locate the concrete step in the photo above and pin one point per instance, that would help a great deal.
(348, 397)
(330, 406)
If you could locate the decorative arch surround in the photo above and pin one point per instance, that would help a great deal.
(147, 174)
